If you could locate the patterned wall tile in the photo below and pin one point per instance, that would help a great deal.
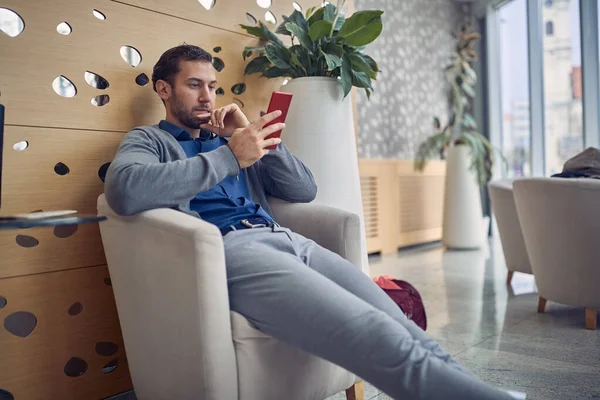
(412, 51)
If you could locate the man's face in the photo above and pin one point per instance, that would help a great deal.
(193, 94)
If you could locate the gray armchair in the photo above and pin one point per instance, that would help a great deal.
(181, 339)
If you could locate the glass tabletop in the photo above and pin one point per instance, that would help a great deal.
(71, 219)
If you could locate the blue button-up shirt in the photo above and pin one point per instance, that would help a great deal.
(229, 201)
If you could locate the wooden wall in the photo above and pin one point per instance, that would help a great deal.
(54, 284)
(402, 207)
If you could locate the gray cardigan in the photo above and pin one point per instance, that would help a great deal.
(151, 170)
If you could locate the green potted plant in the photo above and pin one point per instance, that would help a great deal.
(469, 154)
(323, 43)
(324, 58)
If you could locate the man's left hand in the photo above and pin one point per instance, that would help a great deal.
(225, 120)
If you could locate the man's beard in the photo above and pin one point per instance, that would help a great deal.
(186, 117)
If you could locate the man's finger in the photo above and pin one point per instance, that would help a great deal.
(271, 129)
(271, 142)
(211, 128)
(265, 119)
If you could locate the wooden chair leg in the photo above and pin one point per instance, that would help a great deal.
(356, 392)
(509, 277)
(591, 318)
(541, 304)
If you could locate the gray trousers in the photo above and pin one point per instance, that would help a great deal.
(290, 288)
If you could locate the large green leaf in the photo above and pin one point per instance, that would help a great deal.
(361, 80)
(280, 57)
(371, 62)
(275, 72)
(257, 31)
(316, 16)
(259, 64)
(298, 64)
(329, 13)
(469, 121)
(346, 75)
(468, 89)
(332, 48)
(271, 36)
(296, 18)
(360, 65)
(332, 60)
(249, 49)
(319, 30)
(301, 34)
(310, 11)
(362, 28)
(339, 22)
(281, 29)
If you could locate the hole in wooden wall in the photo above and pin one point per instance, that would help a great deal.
(270, 17)
(20, 323)
(264, 3)
(100, 100)
(99, 15)
(106, 349)
(61, 169)
(2, 302)
(208, 4)
(65, 231)
(111, 366)
(131, 55)
(102, 171)
(20, 146)
(75, 367)
(142, 79)
(5, 395)
(250, 18)
(238, 102)
(220, 92)
(218, 64)
(75, 309)
(107, 282)
(11, 23)
(27, 241)
(238, 88)
(297, 6)
(64, 87)
(64, 28)
(95, 80)
(217, 49)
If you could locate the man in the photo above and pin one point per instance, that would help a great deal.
(285, 285)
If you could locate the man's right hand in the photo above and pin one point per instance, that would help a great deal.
(248, 144)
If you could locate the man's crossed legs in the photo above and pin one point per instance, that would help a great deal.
(310, 298)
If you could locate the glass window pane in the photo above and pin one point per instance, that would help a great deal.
(514, 60)
(562, 83)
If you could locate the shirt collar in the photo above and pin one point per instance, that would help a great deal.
(181, 134)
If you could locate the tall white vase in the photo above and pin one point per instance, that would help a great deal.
(464, 225)
(320, 132)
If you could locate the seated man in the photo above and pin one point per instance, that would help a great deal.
(284, 284)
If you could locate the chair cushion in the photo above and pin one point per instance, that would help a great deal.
(268, 367)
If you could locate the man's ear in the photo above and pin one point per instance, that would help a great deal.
(163, 88)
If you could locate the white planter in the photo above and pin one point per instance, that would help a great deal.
(464, 225)
(320, 131)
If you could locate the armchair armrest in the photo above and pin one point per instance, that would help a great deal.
(169, 281)
(332, 228)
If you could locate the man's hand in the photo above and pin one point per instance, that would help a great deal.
(225, 120)
(248, 144)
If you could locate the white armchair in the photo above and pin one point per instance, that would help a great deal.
(561, 227)
(182, 341)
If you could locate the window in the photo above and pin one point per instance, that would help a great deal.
(549, 28)
(514, 86)
(562, 85)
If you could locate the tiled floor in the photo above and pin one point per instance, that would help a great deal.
(493, 329)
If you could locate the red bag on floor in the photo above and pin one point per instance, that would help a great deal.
(406, 297)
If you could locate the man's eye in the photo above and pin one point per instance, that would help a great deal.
(194, 85)
(212, 87)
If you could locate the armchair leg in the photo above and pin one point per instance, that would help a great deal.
(591, 318)
(356, 392)
(509, 277)
(541, 304)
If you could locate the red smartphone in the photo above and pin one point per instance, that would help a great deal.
(279, 101)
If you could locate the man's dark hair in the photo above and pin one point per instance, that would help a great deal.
(168, 64)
